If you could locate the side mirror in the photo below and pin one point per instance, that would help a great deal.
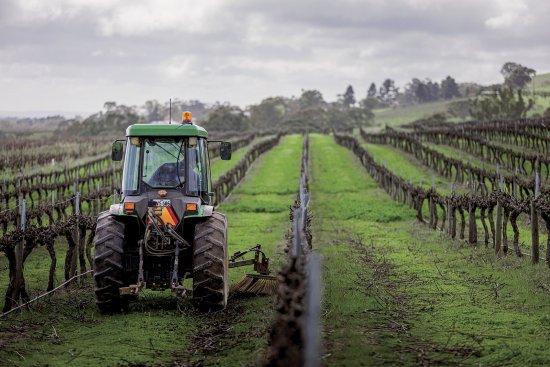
(117, 150)
(225, 151)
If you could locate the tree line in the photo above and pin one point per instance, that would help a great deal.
(310, 111)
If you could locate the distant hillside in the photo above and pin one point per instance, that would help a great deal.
(540, 83)
(402, 115)
(30, 124)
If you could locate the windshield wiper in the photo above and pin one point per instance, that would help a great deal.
(152, 143)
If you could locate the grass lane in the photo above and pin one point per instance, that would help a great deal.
(160, 329)
(218, 167)
(398, 293)
(407, 166)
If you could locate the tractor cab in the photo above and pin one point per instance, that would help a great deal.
(166, 161)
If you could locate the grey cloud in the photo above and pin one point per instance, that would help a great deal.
(245, 50)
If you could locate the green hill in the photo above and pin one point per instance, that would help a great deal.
(403, 115)
(540, 83)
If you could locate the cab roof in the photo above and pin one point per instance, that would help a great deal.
(176, 129)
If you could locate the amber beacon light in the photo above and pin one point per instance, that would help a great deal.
(187, 117)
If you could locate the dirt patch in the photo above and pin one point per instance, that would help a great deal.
(215, 334)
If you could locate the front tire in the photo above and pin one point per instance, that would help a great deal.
(210, 266)
(108, 264)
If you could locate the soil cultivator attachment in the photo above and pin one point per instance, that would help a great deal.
(261, 283)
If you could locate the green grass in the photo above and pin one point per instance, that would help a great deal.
(541, 105)
(404, 115)
(161, 329)
(407, 167)
(540, 82)
(398, 293)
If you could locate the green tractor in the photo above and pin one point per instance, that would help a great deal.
(165, 229)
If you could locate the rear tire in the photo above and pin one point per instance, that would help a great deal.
(108, 264)
(210, 267)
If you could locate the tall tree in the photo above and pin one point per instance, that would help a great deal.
(225, 117)
(109, 106)
(516, 76)
(449, 88)
(388, 91)
(154, 110)
(348, 99)
(502, 104)
(372, 90)
(268, 114)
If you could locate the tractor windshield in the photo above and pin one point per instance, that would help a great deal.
(163, 163)
(176, 163)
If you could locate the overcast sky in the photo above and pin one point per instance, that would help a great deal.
(74, 55)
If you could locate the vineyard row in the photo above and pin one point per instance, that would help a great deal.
(74, 227)
(497, 203)
(463, 172)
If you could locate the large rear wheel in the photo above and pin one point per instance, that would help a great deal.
(108, 264)
(210, 278)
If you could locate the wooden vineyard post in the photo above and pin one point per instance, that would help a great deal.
(436, 218)
(452, 213)
(74, 257)
(449, 226)
(19, 249)
(498, 229)
(514, 184)
(535, 254)
(409, 194)
(53, 206)
(472, 227)
(535, 250)
(430, 206)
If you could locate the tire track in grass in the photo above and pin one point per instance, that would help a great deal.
(160, 328)
(398, 293)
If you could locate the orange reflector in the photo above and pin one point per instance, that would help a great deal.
(166, 214)
(129, 208)
(191, 207)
